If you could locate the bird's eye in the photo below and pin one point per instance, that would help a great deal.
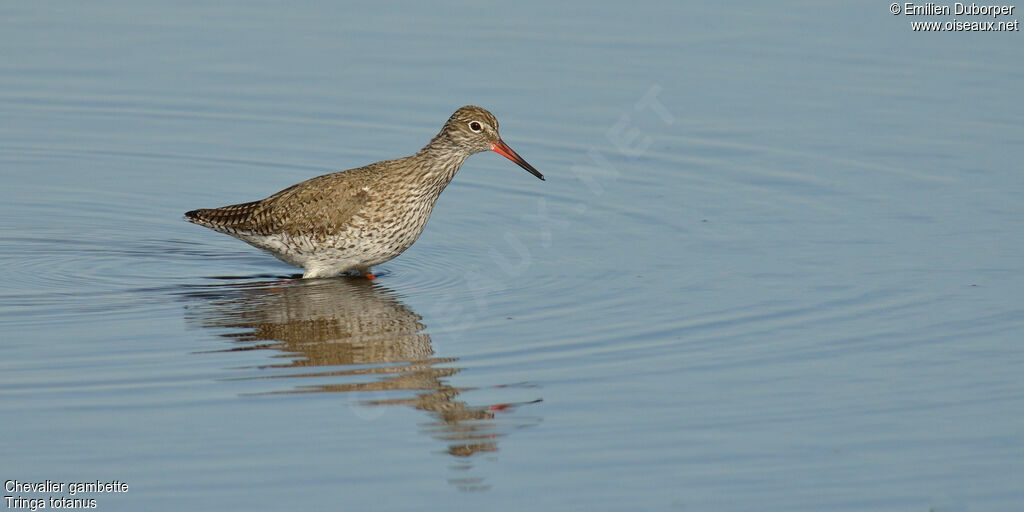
(475, 126)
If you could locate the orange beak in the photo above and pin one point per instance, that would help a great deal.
(502, 149)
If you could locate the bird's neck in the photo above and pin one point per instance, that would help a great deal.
(435, 165)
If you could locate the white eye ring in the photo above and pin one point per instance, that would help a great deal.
(475, 126)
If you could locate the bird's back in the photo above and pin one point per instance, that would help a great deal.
(324, 204)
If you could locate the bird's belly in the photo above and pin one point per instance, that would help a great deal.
(356, 248)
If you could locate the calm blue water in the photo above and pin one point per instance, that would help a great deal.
(776, 264)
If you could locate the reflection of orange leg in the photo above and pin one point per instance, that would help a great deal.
(283, 282)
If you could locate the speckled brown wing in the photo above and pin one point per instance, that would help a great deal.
(324, 204)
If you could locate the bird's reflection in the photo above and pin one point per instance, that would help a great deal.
(354, 336)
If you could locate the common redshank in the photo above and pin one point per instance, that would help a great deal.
(355, 219)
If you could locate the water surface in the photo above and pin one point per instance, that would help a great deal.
(775, 265)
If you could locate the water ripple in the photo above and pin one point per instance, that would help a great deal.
(59, 277)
